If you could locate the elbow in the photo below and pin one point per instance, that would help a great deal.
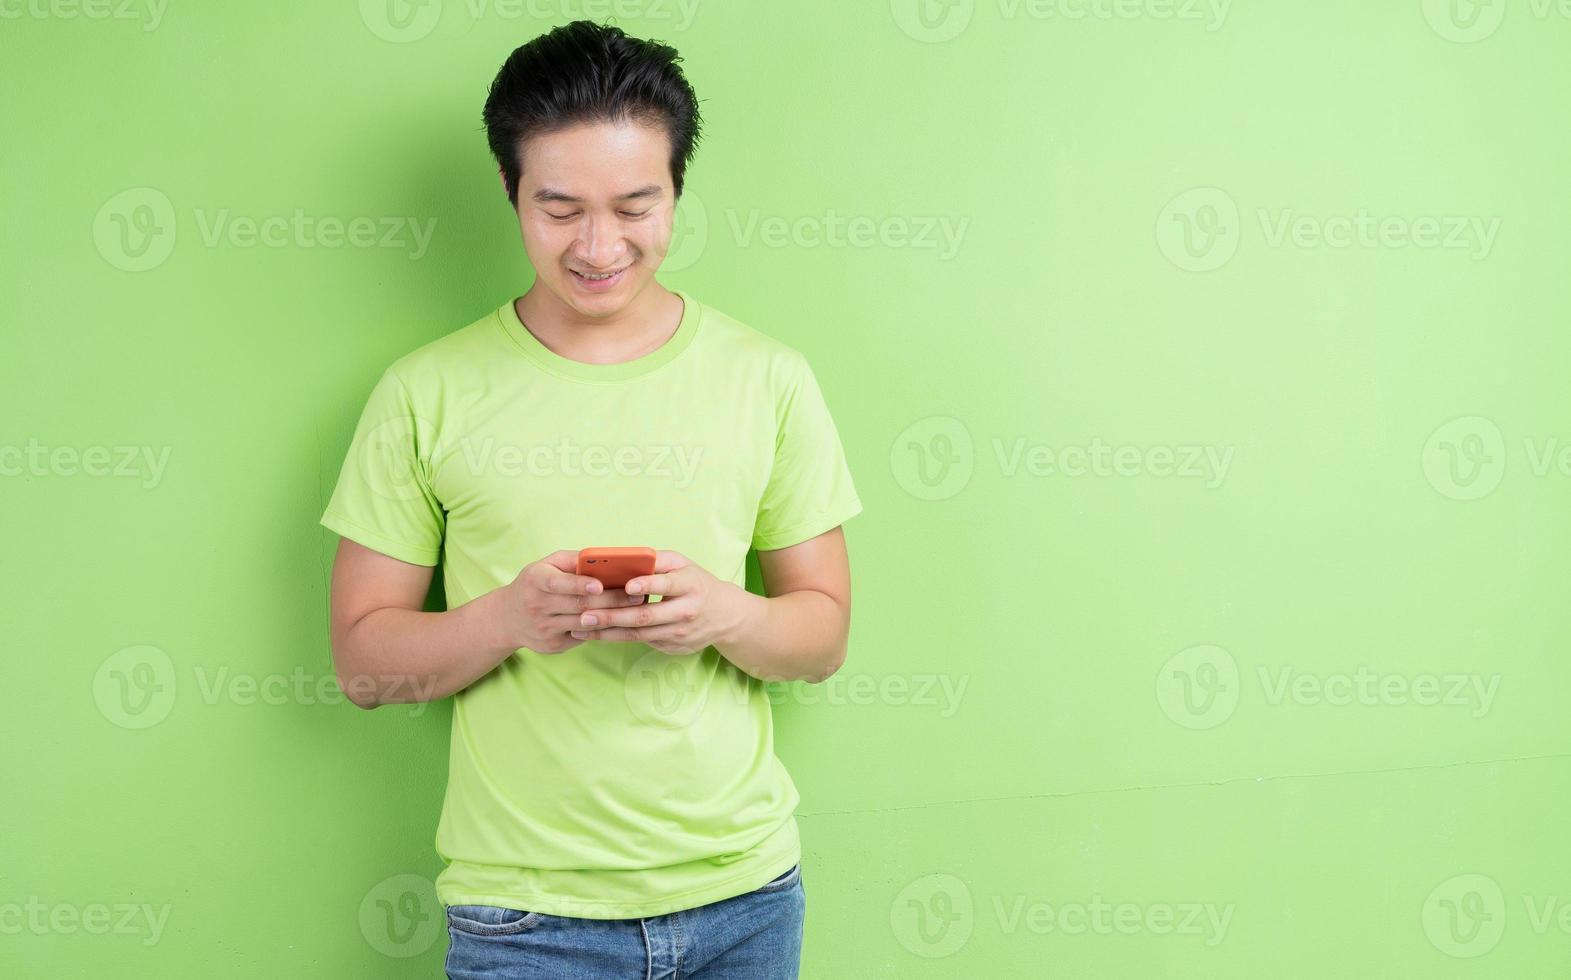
(355, 685)
(837, 656)
(359, 694)
(365, 703)
(828, 669)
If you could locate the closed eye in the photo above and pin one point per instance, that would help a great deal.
(625, 214)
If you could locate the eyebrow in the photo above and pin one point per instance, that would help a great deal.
(550, 194)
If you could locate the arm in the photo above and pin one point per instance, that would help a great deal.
(386, 650)
(800, 631)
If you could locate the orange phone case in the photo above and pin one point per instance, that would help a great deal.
(614, 567)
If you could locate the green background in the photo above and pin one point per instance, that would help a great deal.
(1146, 669)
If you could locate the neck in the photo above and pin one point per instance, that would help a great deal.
(638, 328)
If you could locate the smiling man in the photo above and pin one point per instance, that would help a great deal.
(614, 804)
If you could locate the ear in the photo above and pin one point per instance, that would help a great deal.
(501, 178)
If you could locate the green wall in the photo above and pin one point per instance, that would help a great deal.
(1203, 371)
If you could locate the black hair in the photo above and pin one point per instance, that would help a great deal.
(588, 72)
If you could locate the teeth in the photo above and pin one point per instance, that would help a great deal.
(598, 278)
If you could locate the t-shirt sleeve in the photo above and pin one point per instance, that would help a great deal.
(384, 499)
(809, 489)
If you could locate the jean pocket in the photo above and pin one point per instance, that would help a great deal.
(786, 880)
(491, 920)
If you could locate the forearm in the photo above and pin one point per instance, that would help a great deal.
(400, 656)
(796, 636)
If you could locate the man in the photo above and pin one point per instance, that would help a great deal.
(614, 805)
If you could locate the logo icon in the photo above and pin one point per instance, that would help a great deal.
(1464, 21)
(401, 916)
(135, 687)
(932, 21)
(932, 916)
(389, 457)
(135, 230)
(1198, 687)
(667, 689)
(1465, 458)
(689, 233)
(1465, 916)
(1199, 229)
(931, 459)
(400, 21)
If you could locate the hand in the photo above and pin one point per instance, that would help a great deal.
(538, 608)
(696, 610)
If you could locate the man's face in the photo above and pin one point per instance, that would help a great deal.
(595, 199)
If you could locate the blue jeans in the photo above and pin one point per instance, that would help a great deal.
(756, 936)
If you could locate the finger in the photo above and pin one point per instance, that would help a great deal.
(670, 561)
(568, 623)
(567, 609)
(628, 634)
(563, 583)
(565, 560)
(565, 563)
(610, 598)
(653, 614)
(618, 634)
(668, 583)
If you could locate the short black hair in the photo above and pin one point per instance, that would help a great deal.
(588, 72)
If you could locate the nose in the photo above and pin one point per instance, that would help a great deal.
(602, 245)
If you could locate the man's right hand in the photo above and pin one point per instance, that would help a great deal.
(537, 609)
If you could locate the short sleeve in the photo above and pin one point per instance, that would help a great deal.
(809, 489)
(384, 498)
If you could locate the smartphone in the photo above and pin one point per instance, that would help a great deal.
(615, 567)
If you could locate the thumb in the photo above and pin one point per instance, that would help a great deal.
(563, 561)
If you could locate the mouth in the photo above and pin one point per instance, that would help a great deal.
(601, 282)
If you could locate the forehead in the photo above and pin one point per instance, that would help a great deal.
(597, 159)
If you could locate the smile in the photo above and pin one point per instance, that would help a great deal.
(600, 282)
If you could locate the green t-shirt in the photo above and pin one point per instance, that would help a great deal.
(612, 780)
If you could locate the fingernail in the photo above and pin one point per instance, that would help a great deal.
(590, 621)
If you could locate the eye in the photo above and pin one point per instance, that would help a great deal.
(639, 214)
(563, 217)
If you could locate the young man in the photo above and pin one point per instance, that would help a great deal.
(614, 805)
